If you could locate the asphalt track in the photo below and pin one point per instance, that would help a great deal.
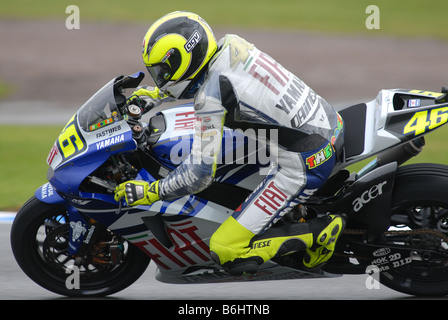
(15, 285)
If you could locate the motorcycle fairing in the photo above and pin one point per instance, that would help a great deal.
(211, 274)
(366, 200)
(370, 200)
(47, 193)
(410, 123)
(68, 175)
(394, 117)
(92, 135)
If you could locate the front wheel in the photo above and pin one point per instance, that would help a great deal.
(419, 203)
(39, 241)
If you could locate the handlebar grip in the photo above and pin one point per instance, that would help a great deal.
(148, 107)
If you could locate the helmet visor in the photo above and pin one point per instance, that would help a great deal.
(161, 73)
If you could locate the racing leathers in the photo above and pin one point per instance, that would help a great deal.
(245, 88)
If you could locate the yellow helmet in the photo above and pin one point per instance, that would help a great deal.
(175, 49)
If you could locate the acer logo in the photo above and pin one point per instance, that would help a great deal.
(368, 195)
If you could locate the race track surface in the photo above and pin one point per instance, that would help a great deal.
(15, 285)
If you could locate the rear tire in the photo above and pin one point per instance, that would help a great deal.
(39, 240)
(420, 200)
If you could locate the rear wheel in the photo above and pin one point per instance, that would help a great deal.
(40, 239)
(420, 203)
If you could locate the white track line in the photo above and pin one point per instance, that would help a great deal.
(6, 216)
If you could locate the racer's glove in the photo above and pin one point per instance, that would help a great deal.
(151, 95)
(138, 192)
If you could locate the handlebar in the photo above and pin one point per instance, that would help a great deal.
(133, 106)
(137, 107)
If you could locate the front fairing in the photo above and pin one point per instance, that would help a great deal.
(91, 136)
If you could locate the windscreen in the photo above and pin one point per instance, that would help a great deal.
(100, 110)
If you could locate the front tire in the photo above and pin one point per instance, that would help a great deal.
(39, 241)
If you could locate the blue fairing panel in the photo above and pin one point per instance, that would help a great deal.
(46, 193)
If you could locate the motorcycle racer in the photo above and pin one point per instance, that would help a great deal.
(236, 85)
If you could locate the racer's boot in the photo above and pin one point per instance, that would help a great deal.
(317, 237)
(326, 232)
(240, 251)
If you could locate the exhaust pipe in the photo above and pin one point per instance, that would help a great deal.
(402, 153)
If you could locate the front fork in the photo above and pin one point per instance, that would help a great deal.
(79, 228)
(90, 242)
(80, 231)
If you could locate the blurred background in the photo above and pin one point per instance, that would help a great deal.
(345, 52)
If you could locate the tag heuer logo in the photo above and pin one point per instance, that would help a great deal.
(193, 41)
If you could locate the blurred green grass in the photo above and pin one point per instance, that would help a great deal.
(408, 18)
(5, 89)
(25, 150)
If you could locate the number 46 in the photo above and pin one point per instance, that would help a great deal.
(419, 122)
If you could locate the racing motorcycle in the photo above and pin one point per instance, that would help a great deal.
(397, 216)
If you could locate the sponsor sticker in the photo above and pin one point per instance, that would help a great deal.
(413, 103)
